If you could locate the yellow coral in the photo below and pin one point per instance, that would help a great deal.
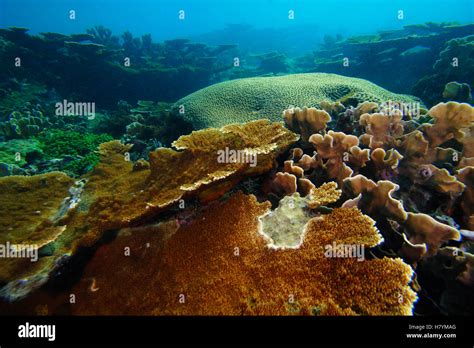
(32, 210)
(28, 205)
(226, 268)
(116, 195)
(324, 194)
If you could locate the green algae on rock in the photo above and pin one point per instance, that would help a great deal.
(248, 99)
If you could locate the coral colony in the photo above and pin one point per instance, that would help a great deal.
(266, 185)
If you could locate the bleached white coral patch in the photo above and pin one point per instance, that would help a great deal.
(285, 226)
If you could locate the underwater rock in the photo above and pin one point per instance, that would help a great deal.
(249, 99)
(380, 58)
(460, 92)
(455, 268)
(455, 63)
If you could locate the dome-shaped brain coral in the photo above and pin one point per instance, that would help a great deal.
(248, 99)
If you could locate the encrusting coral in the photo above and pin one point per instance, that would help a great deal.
(284, 226)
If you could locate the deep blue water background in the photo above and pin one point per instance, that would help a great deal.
(207, 20)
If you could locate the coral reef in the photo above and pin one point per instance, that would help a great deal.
(413, 49)
(151, 69)
(32, 222)
(452, 73)
(118, 193)
(412, 174)
(248, 99)
(313, 193)
(227, 254)
(273, 62)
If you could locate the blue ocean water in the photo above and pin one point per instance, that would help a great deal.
(209, 20)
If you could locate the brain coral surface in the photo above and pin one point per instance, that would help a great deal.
(248, 99)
